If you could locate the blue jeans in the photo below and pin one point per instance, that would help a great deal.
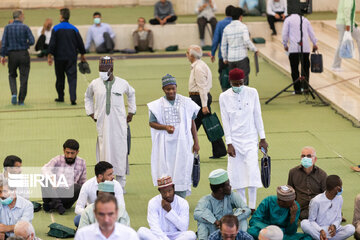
(77, 220)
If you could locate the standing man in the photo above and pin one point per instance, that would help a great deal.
(291, 34)
(109, 113)
(243, 125)
(163, 13)
(16, 40)
(205, 9)
(200, 83)
(276, 11)
(235, 44)
(307, 179)
(345, 21)
(216, 42)
(174, 137)
(143, 38)
(65, 43)
(106, 226)
(168, 215)
(101, 34)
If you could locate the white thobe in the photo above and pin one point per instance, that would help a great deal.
(242, 123)
(88, 194)
(168, 225)
(92, 232)
(112, 129)
(171, 154)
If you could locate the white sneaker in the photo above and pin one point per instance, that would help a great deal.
(337, 69)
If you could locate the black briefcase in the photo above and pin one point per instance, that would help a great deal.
(316, 62)
(265, 169)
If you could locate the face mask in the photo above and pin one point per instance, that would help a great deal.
(237, 89)
(6, 201)
(339, 193)
(104, 76)
(306, 162)
(97, 20)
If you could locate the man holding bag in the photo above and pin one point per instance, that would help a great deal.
(345, 22)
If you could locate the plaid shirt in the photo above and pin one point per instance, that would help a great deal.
(17, 36)
(236, 41)
(240, 236)
(78, 169)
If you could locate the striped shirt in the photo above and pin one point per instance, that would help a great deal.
(17, 36)
(235, 42)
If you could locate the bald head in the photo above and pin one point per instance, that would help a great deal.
(24, 229)
(309, 149)
(271, 232)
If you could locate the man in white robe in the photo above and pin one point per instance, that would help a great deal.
(104, 102)
(168, 215)
(242, 122)
(174, 137)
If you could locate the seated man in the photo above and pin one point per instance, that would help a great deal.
(74, 169)
(103, 172)
(168, 215)
(163, 13)
(229, 229)
(12, 164)
(307, 179)
(325, 213)
(276, 11)
(44, 35)
(281, 210)
(106, 227)
(271, 232)
(205, 9)
(13, 208)
(143, 38)
(222, 201)
(356, 218)
(88, 217)
(101, 34)
(25, 230)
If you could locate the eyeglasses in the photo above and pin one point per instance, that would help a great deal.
(308, 155)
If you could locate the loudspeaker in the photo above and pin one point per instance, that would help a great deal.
(299, 6)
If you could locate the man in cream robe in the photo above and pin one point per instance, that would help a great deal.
(174, 137)
(108, 111)
(241, 117)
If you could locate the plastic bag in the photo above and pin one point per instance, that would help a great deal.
(347, 46)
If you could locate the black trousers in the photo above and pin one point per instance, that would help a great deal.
(271, 20)
(19, 59)
(68, 67)
(107, 46)
(295, 59)
(218, 147)
(222, 66)
(201, 21)
(154, 21)
(244, 65)
(61, 196)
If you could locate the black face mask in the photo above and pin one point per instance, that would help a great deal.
(70, 161)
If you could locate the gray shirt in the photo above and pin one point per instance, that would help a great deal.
(162, 10)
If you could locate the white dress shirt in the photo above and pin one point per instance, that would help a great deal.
(273, 7)
(208, 12)
(236, 41)
(168, 225)
(200, 80)
(47, 35)
(88, 194)
(96, 34)
(324, 212)
(92, 232)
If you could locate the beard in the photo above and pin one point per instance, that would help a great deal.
(70, 161)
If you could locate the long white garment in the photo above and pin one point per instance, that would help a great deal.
(242, 123)
(112, 129)
(171, 154)
(168, 225)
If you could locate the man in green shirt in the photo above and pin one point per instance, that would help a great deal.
(345, 21)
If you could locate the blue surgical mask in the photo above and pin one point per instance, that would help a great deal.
(306, 162)
(6, 201)
(97, 20)
(237, 89)
(340, 193)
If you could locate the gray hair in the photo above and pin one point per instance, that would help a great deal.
(16, 238)
(195, 51)
(3, 181)
(272, 232)
(17, 13)
(24, 226)
(311, 148)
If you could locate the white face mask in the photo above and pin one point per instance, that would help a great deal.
(104, 75)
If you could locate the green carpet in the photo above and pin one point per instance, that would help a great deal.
(36, 131)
